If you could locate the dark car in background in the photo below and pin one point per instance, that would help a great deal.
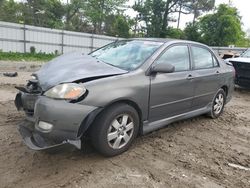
(242, 68)
(126, 88)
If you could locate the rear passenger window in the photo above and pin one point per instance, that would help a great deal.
(202, 58)
(177, 56)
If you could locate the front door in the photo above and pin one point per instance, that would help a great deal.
(172, 93)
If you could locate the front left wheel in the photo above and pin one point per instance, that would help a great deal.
(115, 129)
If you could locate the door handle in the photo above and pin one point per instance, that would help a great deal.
(217, 72)
(190, 77)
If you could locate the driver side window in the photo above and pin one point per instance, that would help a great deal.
(177, 56)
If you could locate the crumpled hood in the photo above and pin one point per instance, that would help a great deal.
(239, 59)
(72, 67)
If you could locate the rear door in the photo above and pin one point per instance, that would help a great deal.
(171, 93)
(207, 76)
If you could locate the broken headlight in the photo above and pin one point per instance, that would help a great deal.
(69, 91)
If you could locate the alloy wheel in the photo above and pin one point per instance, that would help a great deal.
(218, 104)
(120, 131)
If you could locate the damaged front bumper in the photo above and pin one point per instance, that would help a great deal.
(68, 121)
(35, 142)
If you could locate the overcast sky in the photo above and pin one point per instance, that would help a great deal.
(243, 7)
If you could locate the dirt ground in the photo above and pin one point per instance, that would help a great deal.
(200, 152)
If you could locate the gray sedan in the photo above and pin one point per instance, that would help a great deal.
(119, 91)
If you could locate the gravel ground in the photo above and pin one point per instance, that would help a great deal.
(199, 152)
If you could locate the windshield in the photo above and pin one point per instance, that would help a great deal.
(246, 53)
(125, 54)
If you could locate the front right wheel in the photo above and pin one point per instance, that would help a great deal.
(218, 104)
(115, 129)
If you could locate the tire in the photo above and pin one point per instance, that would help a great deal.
(115, 129)
(218, 104)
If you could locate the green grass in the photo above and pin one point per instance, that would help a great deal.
(16, 56)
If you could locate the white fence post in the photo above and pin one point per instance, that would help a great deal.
(62, 41)
(24, 38)
(92, 42)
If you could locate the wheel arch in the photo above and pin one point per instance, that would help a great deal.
(131, 103)
(89, 120)
(225, 88)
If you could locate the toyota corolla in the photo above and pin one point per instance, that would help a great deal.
(119, 91)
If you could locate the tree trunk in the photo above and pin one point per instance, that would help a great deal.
(136, 24)
(179, 17)
(165, 20)
(101, 17)
(195, 13)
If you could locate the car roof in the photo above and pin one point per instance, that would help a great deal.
(165, 40)
(155, 39)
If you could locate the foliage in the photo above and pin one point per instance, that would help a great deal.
(222, 28)
(175, 33)
(101, 16)
(243, 42)
(77, 15)
(117, 25)
(74, 16)
(156, 14)
(47, 13)
(98, 10)
(191, 32)
(10, 11)
(16, 56)
(198, 7)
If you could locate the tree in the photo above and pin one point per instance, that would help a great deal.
(197, 7)
(10, 11)
(175, 33)
(121, 27)
(98, 10)
(74, 15)
(157, 14)
(47, 13)
(77, 15)
(222, 28)
(185, 7)
(191, 32)
(117, 25)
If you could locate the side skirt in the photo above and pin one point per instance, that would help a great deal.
(152, 126)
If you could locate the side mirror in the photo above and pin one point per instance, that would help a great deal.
(163, 68)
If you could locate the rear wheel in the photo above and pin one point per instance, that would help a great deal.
(218, 104)
(115, 129)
